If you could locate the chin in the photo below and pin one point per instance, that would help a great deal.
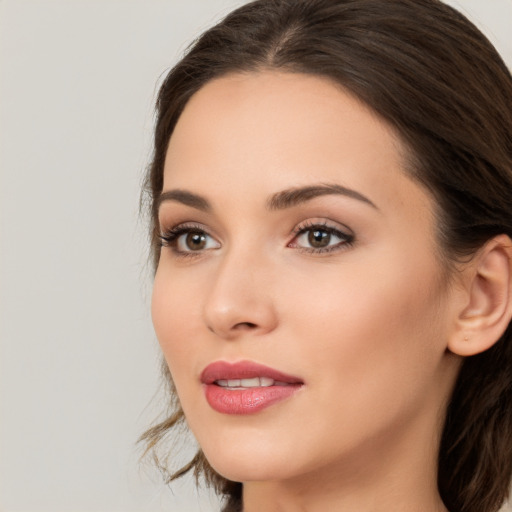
(238, 470)
(248, 461)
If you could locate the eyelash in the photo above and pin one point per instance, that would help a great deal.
(170, 238)
(347, 239)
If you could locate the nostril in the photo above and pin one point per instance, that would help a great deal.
(241, 326)
(245, 326)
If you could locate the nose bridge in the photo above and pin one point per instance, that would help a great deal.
(240, 298)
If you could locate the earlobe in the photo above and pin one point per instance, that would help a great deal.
(488, 306)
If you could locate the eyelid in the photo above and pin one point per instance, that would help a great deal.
(341, 231)
(170, 237)
(182, 227)
(323, 222)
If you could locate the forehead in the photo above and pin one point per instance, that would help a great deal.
(261, 132)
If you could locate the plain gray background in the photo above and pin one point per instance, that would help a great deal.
(78, 359)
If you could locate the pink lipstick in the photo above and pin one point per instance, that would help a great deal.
(245, 387)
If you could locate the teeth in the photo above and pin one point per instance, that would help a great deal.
(255, 382)
(265, 382)
(250, 383)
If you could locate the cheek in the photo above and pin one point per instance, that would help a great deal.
(374, 330)
(176, 320)
(363, 296)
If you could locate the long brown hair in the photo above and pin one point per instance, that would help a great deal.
(431, 74)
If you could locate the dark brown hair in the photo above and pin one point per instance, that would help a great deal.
(439, 82)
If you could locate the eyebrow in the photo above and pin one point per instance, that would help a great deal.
(294, 196)
(279, 201)
(184, 197)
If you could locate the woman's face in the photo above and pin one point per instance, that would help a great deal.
(299, 299)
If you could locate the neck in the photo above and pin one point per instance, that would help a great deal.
(279, 497)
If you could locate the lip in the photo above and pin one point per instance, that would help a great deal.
(244, 370)
(241, 401)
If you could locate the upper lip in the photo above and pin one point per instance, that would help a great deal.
(224, 370)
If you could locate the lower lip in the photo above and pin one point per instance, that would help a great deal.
(248, 400)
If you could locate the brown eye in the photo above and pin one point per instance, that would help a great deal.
(319, 238)
(195, 241)
(183, 239)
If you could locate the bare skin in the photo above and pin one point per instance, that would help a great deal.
(344, 289)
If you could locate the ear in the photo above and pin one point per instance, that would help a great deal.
(487, 305)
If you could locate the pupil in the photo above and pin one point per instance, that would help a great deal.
(319, 238)
(196, 241)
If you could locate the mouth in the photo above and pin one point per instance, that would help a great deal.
(256, 382)
(246, 387)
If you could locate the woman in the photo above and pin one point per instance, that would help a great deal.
(331, 201)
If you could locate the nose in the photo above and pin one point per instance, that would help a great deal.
(240, 301)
